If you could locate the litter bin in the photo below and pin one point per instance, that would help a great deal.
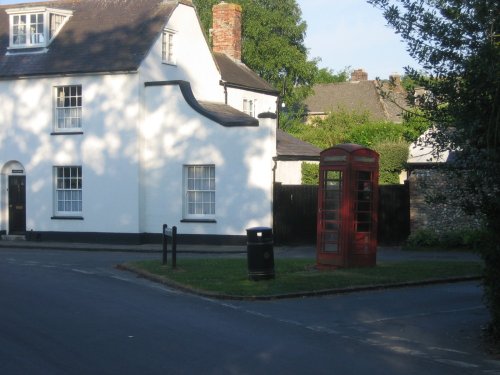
(260, 253)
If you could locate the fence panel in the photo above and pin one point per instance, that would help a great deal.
(295, 208)
(295, 213)
(393, 214)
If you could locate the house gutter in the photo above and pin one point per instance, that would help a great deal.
(248, 88)
(72, 74)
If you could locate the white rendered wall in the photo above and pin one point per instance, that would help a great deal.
(263, 103)
(289, 172)
(107, 150)
(175, 135)
(193, 60)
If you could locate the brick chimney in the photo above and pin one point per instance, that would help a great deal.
(226, 29)
(359, 75)
(395, 79)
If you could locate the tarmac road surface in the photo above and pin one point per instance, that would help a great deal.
(72, 312)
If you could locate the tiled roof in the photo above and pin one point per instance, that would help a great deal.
(239, 75)
(101, 36)
(290, 148)
(357, 96)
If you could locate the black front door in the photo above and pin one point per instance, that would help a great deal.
(17, 204)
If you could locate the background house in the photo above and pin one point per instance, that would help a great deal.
(359, 95)
(116, 117)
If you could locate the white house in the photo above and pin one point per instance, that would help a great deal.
(116, 118)
(291, 153)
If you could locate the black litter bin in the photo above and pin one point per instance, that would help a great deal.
(260, 253)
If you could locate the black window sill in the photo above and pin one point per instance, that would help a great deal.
(67, 133)
(209, 221)
(66, 218)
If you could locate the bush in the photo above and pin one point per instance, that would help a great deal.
(393, 157)
(371, 133)
(310, 174)
(423, 238)
(454, 239)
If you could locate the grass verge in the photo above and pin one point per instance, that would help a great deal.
(229, 276)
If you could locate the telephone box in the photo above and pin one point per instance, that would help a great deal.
(347, 207)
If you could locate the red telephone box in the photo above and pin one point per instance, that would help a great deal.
(347, 207)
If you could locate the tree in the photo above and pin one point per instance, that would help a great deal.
(457, 43)
(273, 44)
(326, 75)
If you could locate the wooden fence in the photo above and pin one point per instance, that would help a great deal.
(295, 208)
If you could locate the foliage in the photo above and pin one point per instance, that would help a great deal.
(423, 238)
(389, 139)
(393, 157)
(451, 240)
(415, 125)
(310, 174)
(326, 75)
(273, 44)
(372, 133)
(332, 130)
(458, 45)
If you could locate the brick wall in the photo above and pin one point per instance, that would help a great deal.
(440, 216)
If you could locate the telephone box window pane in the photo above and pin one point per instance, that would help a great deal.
(364, 196)
(363, 227)
(331, 215)
(363, 206)
(331, 247)
(331, 226)
(366, 176)
(363, 216)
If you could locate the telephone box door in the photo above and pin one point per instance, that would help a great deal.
(330, 214)
(364, 241)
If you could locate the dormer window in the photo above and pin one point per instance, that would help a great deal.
(35, 27)
(27, 30)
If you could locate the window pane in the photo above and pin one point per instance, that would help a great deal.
(200, 190)
(68, 104)
(68, 186)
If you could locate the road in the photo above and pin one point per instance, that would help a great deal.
(71, 312)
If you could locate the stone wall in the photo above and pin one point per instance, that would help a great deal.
(436, 213)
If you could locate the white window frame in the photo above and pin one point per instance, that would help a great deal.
(68, 190)
(42, 35)
(249, 106)
(168, 55)
(68, 108)
(199, 192)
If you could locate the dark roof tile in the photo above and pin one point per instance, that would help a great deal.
(290, 148)
(101, 36)
(355, 96)
(239, 75)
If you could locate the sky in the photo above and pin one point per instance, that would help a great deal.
(348, 34)
(353, 34)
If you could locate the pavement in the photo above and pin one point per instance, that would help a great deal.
(384, 253)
